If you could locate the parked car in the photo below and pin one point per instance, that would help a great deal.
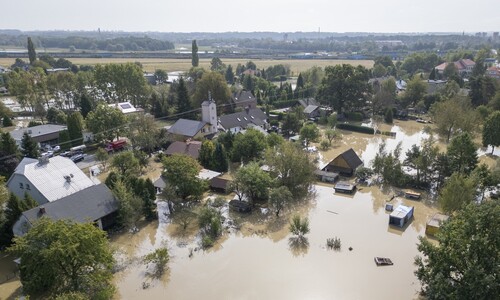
(56, 148)
(77, 158)
(65, 154)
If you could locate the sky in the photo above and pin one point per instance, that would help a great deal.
(253, 15)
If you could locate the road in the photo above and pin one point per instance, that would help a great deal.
(87, 162)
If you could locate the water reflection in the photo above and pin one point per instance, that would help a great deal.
(298, 245)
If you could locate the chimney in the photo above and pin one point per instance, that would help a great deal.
(41, 210)
(68, 178)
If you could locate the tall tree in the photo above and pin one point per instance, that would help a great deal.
(248, 146)
(130, 206)
(143, 132)
(415, 91)
(279, 198)
(229, 74)
(62, 256)
(220, 158)
(217, 65)
(254, 182)
(345, 87)
(491, 131)
(75, 128)
(31, 51)
(180, 172)
(464, 264)
(309, 133)
(292, 167)
(212, 83)
(126, 163)
(29, 147)
(462, 154)
(106, 122)
(453, 116)
(85, 105)
(195, 60)
(183, 101)
(206, 155)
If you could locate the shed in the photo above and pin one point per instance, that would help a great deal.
(433, 225)
(345, 164)
(401, 215)
(412, 195)
(325, 176)
(345, 187)
(219, 184)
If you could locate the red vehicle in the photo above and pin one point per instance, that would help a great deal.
(116, 145)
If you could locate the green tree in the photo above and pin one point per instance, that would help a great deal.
(279, 198)
(212, 83)
(64, 140)
(159, 258)
(129, 205)
(126, 163)
(457, 192)
(29, 147)
(291, 123)
(75, 128)
(292, 167)
(217, 65)
(195, 60)
(181, 171)
(220, 158)
(299, 226)
(229, 75)
(388, 118)
(161, 76)
(379, 70)
(253, 181)
(6, 122)
(143, 132)
(248, 146)
(415, 91)
(31, 51)
(106, 122)
(102, 157)
(10, 213)
(183, 101)
(62, 256)
(462, 154)
(344, 87)
(274, 139)
(465, 262)
(491, 131)
(210, 222)
(85, 105)
(453, 116)
(331, 135)
(309, 133)
(206, 155)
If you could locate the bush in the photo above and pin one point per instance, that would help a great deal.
(354, 116)
(388, 117)
(283, 104)
(7, 122)
(356, 128)
(207, 242)
(299, 226)
(333, 243)
(34, 123)
(325, 145)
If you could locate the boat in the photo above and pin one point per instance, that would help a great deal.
(383, 261)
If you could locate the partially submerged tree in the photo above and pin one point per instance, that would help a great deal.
(181, 173)
(159, 258)
(279, 198)
(491, 131)
(457, 192)
(253, 181)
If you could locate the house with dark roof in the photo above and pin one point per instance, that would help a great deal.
(190, 148)
(42, 134)
(94, 204)
(236, 122)
(190, 129)
(312, 111)
(345, 164)
(308, 101)
(243, 99)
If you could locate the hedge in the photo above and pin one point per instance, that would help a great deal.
(356, 128)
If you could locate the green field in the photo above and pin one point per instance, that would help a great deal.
(151, 64)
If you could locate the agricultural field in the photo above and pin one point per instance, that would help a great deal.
(170, 65)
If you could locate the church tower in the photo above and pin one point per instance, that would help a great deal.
(209, 114)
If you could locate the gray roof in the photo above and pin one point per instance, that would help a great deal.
(308, 101)
(160, 183)
(243, 97)
(242, 119)
(310, 108)
(87, 205)
(186, 127)
(351, 158)
(37, 131)
(191, 148)
(57, 178)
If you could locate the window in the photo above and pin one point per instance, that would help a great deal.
(21, 185)
(28, 187)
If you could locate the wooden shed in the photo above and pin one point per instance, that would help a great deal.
(401, 215)
(325, 176)
(433, 225)
(345, 164)
(345, 187)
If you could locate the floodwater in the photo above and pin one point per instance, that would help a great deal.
(260, 261)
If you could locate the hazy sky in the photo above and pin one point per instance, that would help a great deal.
(253, 15)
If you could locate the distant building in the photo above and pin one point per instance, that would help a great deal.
(493, 72)
(43, 134)
(57, 70)
(464, 67)
(245, 119)
(243, 99)
(150, 78)
(312, 111)
(308, 101)
(125, 107)
(191, 129)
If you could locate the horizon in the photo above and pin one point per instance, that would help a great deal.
(216, 16)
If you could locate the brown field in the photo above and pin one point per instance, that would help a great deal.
(151, 64)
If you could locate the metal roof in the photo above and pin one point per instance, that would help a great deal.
(310, 108)
(37, 131)
(401, 211)
(186, 127)
(242, 119)
(56, 179)
(87, 205)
